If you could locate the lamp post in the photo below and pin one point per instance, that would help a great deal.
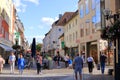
(108, 14)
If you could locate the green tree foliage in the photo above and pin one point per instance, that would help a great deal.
(16, 46)
(38, 47)
(111, 32)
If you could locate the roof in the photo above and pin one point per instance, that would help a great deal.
(64, 18)
(55, 23)
(67, 17)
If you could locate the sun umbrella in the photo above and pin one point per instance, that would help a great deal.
(33, 48)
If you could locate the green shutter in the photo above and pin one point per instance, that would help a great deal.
(63, 45)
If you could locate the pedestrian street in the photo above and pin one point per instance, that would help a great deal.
(53, 74)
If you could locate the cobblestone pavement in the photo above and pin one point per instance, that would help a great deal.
(54, 74)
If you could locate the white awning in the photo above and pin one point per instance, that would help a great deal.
(6, 48)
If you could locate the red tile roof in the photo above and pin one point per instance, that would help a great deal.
(66, 17)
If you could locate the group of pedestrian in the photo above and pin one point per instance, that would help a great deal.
(57, 58)
(78, 64)
(20, 63)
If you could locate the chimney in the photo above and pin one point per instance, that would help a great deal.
(60, 15)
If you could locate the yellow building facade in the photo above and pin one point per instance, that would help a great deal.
(71, 34)
(6, 9)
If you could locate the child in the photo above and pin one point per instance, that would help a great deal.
(21, 64)
(70, 63)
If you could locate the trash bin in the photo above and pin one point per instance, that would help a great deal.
(110, 71)
(50, 64)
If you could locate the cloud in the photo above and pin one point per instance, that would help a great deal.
(39, 38)
(48, 20)
(20, 6)
(33, 1)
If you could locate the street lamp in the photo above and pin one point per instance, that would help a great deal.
(107, 13)
(113, 32)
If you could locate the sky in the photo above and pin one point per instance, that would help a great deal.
(37, 16)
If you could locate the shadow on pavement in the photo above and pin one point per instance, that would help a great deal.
(100, 77)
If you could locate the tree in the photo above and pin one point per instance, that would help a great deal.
(16, 47)
(111, 32)
(38, 47)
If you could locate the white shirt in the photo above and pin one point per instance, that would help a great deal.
(12, 58)
(90, 59)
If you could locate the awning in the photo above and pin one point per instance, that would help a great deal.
(6, 48)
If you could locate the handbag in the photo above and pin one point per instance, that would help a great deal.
(98, 67)
(93, 65)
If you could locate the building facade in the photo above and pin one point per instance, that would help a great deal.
(51, 40)
(91, 21)
(71, 32)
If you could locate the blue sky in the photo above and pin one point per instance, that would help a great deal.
(38, 15)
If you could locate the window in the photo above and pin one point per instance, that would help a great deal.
(87, 6)
(59, 29)
(73, 24)
(67, 38)
(69, 26)
(98, 13)
(93, 4)
(73, 36)
(97, 1)
(93, 24)
(6, 36)
(70, 37)
(93, 19)
(2, 30)
(81, 11)
(76, 21)
(81, 32)
(76, 35)
(86, 31)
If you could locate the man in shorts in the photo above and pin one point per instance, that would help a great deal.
(78, 65)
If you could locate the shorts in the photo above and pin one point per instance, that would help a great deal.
(78, 69)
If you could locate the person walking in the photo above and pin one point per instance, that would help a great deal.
(2, 61)
(21, 64)
(90, 62)
(58, 59)
(102, 62)
(78, 65)
(39, 63)
(66, 58)
(11, 60)
(70, 63)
